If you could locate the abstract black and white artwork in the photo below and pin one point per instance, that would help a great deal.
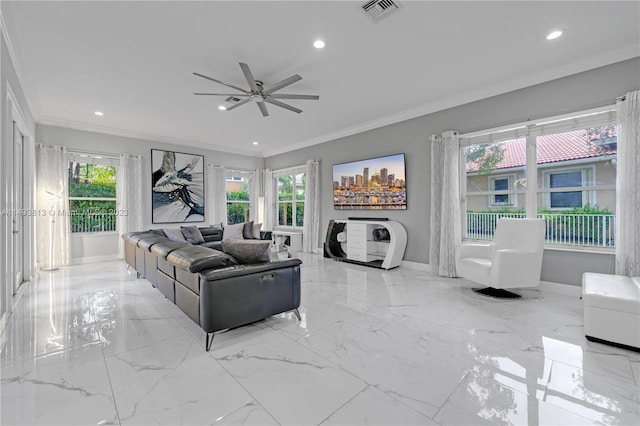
(177, 187)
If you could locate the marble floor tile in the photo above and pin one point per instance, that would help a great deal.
(374, 407)
(66, 388)
(604, 399)
(402, 372)
(482, 400)
(293, 384)
(92, 344)
(173, 382)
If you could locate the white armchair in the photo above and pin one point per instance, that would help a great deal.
(512, 260)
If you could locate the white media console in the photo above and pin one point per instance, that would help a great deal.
(378, 243)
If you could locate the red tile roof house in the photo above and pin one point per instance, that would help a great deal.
(570, 159)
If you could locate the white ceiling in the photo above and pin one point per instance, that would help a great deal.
(134, 61)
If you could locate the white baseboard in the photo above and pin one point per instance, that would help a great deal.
(92, 259)
(558, 288)
(416, 266)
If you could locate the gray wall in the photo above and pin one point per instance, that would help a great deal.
(100, 142)
(586, 90)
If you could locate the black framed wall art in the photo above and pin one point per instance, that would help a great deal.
(177, 187)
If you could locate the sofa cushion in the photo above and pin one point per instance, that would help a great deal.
(192, 234)
(256, 231)
(159, 232)
(163, 249)
(146, 243)
(233, 232)
(137, 236)
(247, 251)
(216, 245)
(174, 234)
(196, 259)
(247, 230)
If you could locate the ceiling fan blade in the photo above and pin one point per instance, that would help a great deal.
(236, 105)
(222, 94)
(283, 105)
(284, 83)
(221, 82)
(247, 74)
(283, 96)
(263, 109)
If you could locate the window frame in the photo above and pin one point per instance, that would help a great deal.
(70, 198)
(295, 203)
(512, 196)
(587, 175)
(595, 117)
(235, 176)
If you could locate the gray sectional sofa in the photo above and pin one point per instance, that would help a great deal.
(213, 288)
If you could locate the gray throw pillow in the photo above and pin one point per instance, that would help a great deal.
(192, 234)
(174, 234)
(256, 231)
(247, 251)
(233, 232)
(247, 230)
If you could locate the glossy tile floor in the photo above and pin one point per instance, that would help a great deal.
(92, 345)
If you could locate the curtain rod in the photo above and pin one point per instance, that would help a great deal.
(96, 153)
(234, 169)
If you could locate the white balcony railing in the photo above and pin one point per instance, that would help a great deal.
(92, 222)
(592, 230)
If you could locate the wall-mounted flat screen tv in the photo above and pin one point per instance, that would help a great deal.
(373, 184)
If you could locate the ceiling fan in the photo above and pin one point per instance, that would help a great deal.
(258, 93)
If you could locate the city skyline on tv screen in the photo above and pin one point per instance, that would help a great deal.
(372, 184)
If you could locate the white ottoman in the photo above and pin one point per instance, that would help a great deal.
(612, 309)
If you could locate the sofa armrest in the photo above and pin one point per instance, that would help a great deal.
(240, 270)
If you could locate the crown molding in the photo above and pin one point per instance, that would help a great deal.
(33, 102)
(68, 124)
(611, 57)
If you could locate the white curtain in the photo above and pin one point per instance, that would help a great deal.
(254, 193)
(269, 200)
(627, 186)
(445, 223)
(129, 198)
(216, 210)
(311, 227)
(52, 197)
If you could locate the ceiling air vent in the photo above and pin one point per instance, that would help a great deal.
(377, 9)
(232, 99)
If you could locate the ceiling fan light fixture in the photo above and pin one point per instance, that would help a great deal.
(318, 44)
(554, 35)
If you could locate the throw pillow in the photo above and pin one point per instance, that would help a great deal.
(174, 234)
(256, 231)
(233, 232)
(192, 234)
(247, 230)
(247, 251)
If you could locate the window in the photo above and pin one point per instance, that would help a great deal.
(499, 184)
(574, 172)
(238, 199)
(291, 193)
(567, 178)
(92, 197)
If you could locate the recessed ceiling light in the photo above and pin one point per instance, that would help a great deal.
(318, 44)
(255, 143)
(99, 113)
(554, 34)
(222, 108)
